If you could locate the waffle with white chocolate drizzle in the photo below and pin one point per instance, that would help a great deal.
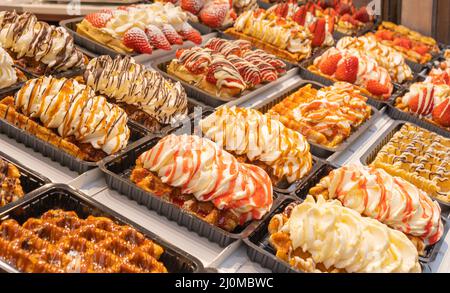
(420, 157)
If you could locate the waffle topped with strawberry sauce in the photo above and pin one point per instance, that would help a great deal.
(139, 28)
(225, 67)
(327, 116)
(196, 175)
(61, 242)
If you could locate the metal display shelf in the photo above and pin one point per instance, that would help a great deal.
(230, 259)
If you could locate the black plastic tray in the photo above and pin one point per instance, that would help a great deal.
(117, 172)
(369, 156)
(378, 104)
(8, 91)
(430, 251)
(60, 196)
(29, 179)
(212, 100)
(56, 154)
(398, 114)
(259, 249)
(100, 49)
(318, 150)
(68, 73)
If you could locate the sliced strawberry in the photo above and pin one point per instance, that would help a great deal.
(441, 114)
(187, 32)
(331, 23)
(421, 49)
(300, 16)
(210, 75)
(136, 39)
(122, 8)
(214, 15)
(98, 19)
(422, 106)
(403, 42)
(282, 10)
(376, 88)
(157, 38)
(385, 35)
(330, 11)
(329, 65)
(318, 29)
(362, 15)
(193, 6)
(440, 78)
(348, 70)
(171, 34)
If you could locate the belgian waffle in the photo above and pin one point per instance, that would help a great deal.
(206, 211)
(59, 241)
(420, 157)
(10, 187)
(318, 118)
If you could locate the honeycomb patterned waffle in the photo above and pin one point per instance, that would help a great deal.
(59, 241)
(420, 157)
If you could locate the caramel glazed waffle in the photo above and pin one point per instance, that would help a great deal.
(59, 241)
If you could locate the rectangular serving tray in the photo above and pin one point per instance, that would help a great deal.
(96, 48)
(60, 196)
(215, 101)
(264, 105)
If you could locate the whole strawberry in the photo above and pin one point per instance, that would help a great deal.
(192, 6)
(213, 15)
(348, 69)
(98, 19)
(136, 39)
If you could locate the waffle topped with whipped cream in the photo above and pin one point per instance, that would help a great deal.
(323, 236)
(10, 186)
(68, 115)
(374, 193)
(420, 157)
(196, 175)
(61, 242)
(38, 46)
(259, 139)
(385, 56)
(146, 95)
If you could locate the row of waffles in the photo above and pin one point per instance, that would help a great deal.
(230, 187)
(142, 28)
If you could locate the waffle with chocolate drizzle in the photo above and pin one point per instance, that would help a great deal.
(420, 157)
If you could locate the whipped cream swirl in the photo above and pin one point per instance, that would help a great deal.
(73, 109)
(391, 200)
(125, 81)
(52, 46)
(199, 167)
(339, 237)
(8, 75)
(259, 137)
